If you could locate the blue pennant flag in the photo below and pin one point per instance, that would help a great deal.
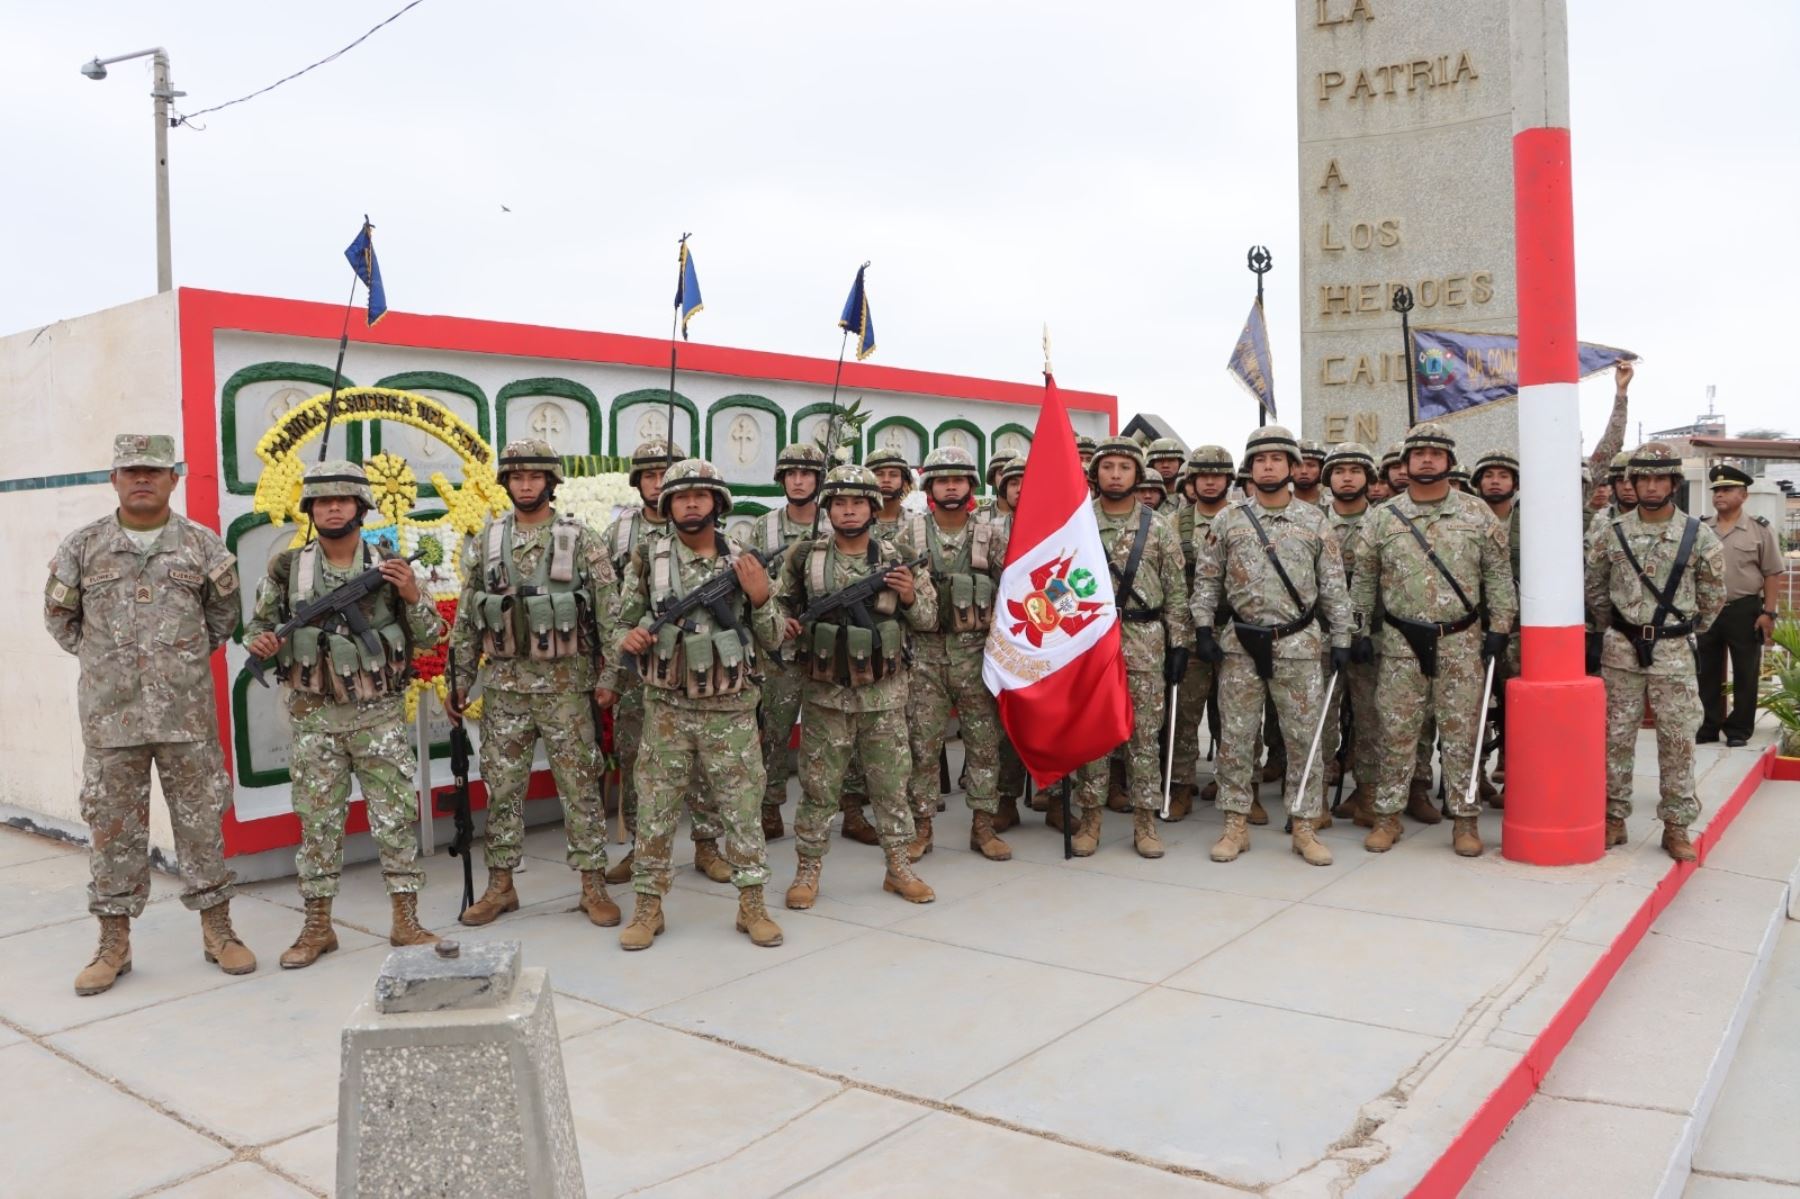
(361, 254)
(856, 318)
(1458, 369)
(687, 292)
(1250, 360)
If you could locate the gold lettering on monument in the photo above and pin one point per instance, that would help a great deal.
(1390, 80)
(1359, 11)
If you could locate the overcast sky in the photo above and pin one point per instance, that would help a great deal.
(1101, 167)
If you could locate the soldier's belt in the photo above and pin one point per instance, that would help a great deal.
(1259, 640)
(1642, 633)
(1140, 615)
(1422, 636)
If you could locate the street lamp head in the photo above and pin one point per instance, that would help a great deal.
(94, 70)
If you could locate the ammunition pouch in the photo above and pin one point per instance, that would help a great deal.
(1259, 640)
(971, 603)
(1422, 636)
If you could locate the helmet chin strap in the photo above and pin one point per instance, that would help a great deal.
(852, 531)
(1427, 479)
(1658, 505)
(694, 524)
(1271, 488)
(1501, 499)
(1350, 496)
(952, 505)
(543, 497)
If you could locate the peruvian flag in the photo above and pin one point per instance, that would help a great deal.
(1053, 658)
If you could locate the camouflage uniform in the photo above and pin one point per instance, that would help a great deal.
(712, 736)
(1359, 677)
(1669, 686)
(1235, 569)
(1197, 683)
(531, 699)
(144, 622)
(1390, 568)
(784, 677)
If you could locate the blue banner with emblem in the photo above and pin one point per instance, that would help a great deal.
(361, 254)
(1250, 363)
(687, 292)
(1458, 369)
(857, 319)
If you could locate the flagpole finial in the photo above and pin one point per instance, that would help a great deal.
(1047, 369)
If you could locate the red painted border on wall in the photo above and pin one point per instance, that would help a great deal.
(1459, 1161)
(202, 313)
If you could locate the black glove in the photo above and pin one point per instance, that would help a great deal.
(1493, 645)
(1594, 641)
(1341, 657)
(1206, 646)
(1175, 664)
(1362, 650)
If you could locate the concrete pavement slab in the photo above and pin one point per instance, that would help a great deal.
(1268, 871)
(1217, 1105)
(1705, 1186)
(949, 1155)
(1604, 916)
(651, 1104)
(9, 1036)
(1725, 910)
(68, 1133)
(1484, 892)
(1753, 1126)
(1414, 975)
(235, 1181)
(1527, 1007)
(825, 1136)
(1764, 841)
(54, 890)
(1420, 1118)
(1119, 927)
(1557, 1147)
(166, 963)
(1008, 1008)
(189, 1054)
(311, 1157)
(17, 846)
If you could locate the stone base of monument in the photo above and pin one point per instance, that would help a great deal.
(452, 1080)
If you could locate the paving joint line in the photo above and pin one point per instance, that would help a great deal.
(1636, 1107)
(747, 1145)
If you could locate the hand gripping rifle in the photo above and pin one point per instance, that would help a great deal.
(462, 844)
(341, 606)
(718, 595)
(854, 598)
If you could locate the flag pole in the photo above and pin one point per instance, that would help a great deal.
(1260, 262)
(1403, 304)
(674, 322)
(337, 374)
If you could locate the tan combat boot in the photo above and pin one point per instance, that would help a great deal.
(1362, 806)
(1615, 831)
(111, 959)
(316, 937)
(1381, 838)
(620, 872)
(1259, 815)
(1053, 813)
(902, 881)
(856, 824)
(1324, 821)
(1487, 792)
(1676, 843)
(646, 923)
(805, 888)
(1086, 838)
(1234, 840)
(710, 862)
(596, 902)
(1333, 771)
(1272, 770)
(1116, 798)
(1143, 834)
(497, 899)
(982, 838)
(1210, 792)
(1465, 837)
(771, 822)
(1307, 844)
(404, 927)
(753, 919)
(921, 842)
(1181, 802)
(221, 944)
(1008, 814)
(1419, 804)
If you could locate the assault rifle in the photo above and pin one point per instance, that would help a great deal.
(717, 595)
(462, 844)
(343, 603)
(854, 598)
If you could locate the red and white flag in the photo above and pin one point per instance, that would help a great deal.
(1054, 659)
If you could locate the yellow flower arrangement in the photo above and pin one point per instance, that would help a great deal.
(392, 481)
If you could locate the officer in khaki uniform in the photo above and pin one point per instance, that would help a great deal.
(142, 597)
(1753, 563)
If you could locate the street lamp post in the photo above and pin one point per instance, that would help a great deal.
(161, 92)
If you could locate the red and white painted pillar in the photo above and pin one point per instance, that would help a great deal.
(1555, 715)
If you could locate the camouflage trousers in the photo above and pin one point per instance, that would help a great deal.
(1674, 703)
(829, 737)
(946, 675)
(1295, 693)
(1143, 770)
(721, 749)
(383, 762)
(783, 685)
(1408, 699)
(115, 803)
(1428, 742)
(1011, 781)
(511, 724)
(1357, 686)
(1190, 710)
(628, 733)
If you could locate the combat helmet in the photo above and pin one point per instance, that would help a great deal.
(691, 474)
(649, 455)
(1655, 458)
(1164, 448)
(1313, 451)
(1428, 434)
(1458, 477)
(531, 453)
(799, 456)
(1117, 447)
(854, 480)
(1499, 458)
(1209, 460)
(335, 478)
(1084, 442)
(1389, 457)
(1015, 469)
(948, 462)
(997, 462)
(1621, 461)
(1272, 437)
(1350, 453)
(889, 456)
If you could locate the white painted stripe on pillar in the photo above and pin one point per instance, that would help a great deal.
(1540, 64)
(1550, 494)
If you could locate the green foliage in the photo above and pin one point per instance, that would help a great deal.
(841, 428)
(1781, 694)
(431, 550)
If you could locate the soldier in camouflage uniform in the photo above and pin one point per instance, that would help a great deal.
(1437, 599)
(964, 558)
(1496, 480)
(346, 706)
(537, 596)
(1624, 494)
(1084, 450)
(1309, 476)
(1153, 494)
(1348, 470)
(799, 470)
(856, 685)
(1011, 780)
(640, 527)
(142, 597)
(700, 693)
(1647, 658)
(1167, 458)
(996, 508)
(1206, 486)
(1156, 630)
(1275, 562)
